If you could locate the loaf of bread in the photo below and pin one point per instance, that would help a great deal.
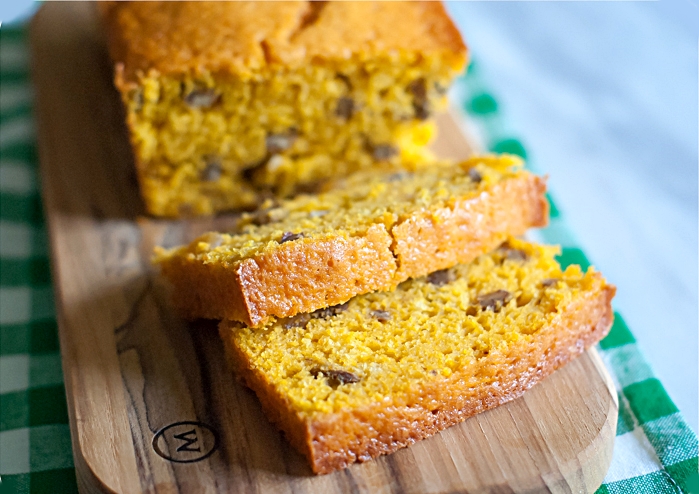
(355, 381)
(229, 101)
(378, 230)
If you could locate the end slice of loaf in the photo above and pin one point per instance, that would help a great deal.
(227, 101)
(375, 232)
(356, 381)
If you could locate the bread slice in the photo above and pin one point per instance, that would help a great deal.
(352, 382)
(375, 232)
(227, 101)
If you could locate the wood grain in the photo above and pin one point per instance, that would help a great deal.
(132, 369)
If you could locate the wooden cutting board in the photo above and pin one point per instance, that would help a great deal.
(153, 407)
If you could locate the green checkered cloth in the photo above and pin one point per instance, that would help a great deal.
(655, 451)
(35, 449)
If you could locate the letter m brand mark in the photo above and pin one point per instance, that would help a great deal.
(190, 438)
(194, 441)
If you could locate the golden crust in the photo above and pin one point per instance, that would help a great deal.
(297, 277)
(212, 88)
(314, 273)
(432, 240)
(336, 440)
(240, 37)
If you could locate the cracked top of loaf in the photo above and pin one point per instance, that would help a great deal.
(243, 37)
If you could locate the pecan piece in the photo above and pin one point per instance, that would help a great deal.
(421, 105)
(336, 377)
(494, 300)
(381, 315)
(297, 321)
(511, 253)
(475, 175)
(290, 237)
(276, 143)
(345, 78)
(202, 98)
(383, 152)
(213, 170)
(345, 108)
(328, 312)
(514, 254)
(441, 277)
(549, 282)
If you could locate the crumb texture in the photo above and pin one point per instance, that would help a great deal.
(369, 233)
(229, 102)
(390, 368)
